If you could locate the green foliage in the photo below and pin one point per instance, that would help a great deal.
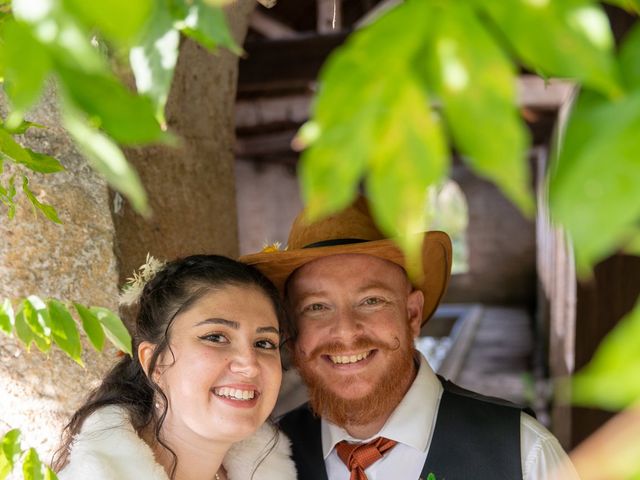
(12, 455)
(612, 378)
(46, 323)
(64, 40)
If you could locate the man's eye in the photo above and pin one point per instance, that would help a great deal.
(266, 344)
(215, 338)
(314, 307)
(373, 301)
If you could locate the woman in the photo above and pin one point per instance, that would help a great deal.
(204, 377)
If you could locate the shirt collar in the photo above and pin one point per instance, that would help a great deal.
(418, 407)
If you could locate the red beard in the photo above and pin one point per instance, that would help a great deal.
(379, 403)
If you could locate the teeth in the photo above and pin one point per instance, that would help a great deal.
(341, 359)
(234, 393)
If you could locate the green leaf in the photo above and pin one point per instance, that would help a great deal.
(91, 326)
(26, 66)
(37, 317)
(37, 162)
(64, 330)
(128, 118)
(23, 331)
(477, 86)
(10, 451)
(630, 59)
(106, 158)
(114, 328)
(431, 476)
(31, 466)
(341, 139)
(561, 39)
(23, 127)
(593, 188)
(154, 58)
(207, 25)
(45, 208)
(118, 20)
(612, 379)
(50, 474)
(7, 317)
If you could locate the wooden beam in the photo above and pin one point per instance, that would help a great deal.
(267, 144)
(537, 93)
(253, 113)
(329, 16)
(270, 27)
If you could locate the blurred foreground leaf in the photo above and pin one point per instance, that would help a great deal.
(114, 328)
(612, 379)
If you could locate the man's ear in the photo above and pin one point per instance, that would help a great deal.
(415, 303)
(145, 352)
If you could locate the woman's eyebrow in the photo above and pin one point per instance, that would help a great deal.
(220, 321)
(268, 330)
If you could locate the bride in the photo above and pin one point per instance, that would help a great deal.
(193, 400)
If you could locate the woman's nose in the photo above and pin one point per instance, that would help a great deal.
(245, 362)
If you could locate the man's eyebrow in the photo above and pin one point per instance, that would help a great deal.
(219, 321)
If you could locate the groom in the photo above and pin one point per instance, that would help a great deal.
(377, 411)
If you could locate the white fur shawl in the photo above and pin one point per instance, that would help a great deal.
(108, 448)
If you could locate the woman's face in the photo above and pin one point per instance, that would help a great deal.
(223, 378)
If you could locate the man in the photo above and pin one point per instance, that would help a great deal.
(383, 413)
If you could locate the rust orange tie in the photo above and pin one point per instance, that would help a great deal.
(359, 456)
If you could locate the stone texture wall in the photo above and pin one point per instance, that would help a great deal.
(192, 187)
(73, 261)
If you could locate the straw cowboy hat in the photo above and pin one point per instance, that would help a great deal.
(353, 231)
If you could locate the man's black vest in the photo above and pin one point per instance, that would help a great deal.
(474, 437)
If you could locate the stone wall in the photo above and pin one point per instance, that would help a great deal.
(73, 261)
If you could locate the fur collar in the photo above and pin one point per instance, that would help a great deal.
(108, 448)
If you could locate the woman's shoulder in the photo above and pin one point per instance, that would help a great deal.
(108, 448)
(267, 453)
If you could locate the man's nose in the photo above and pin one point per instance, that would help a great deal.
(346, 324)
(245, 362)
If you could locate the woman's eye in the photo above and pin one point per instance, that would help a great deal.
(266, 344)
(215, 338)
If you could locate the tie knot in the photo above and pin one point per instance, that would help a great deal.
(359, 456)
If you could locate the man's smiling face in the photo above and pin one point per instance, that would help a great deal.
(356, 317)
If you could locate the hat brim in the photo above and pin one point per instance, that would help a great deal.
(436, 262)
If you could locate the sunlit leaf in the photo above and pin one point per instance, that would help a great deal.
(7, 317)
(560, 39)
(37, 162)
(26, 66)
(118, 20)
(207, 25)
(353, 98)
(43, 163)
(612, 379)
(127, 118)
(37, 317)
(50, 474)
(593, 190)
(410, 156)
(154, 58)
(630, 58)
(23, 331)
(91, 326)
(114, 328)
(32, 466)
(10, 450)
(476, 84)
(45, 208)
(106, 158)
(64, 330)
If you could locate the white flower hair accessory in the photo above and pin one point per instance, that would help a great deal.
(134, 286)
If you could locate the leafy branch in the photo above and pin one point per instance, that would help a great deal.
(12, 455)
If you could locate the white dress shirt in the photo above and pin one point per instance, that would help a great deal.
(411, 425)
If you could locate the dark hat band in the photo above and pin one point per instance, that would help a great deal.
(334, 242)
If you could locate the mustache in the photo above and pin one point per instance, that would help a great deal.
(359, 343)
